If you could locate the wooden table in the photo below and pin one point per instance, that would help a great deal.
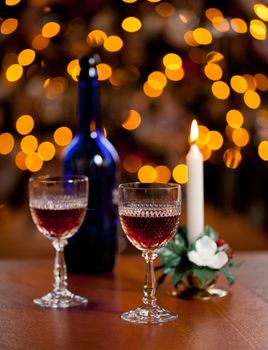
(238, 321)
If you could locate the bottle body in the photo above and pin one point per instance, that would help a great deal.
(93, 248)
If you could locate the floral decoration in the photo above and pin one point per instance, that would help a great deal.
(196, 264)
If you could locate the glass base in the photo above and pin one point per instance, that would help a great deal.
(149, 315)
(60, 300)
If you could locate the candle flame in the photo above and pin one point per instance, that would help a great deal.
(194, 131)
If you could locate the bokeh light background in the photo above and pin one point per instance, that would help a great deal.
(163, 64)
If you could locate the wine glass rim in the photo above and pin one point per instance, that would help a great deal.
(58, 179)
(146, 185)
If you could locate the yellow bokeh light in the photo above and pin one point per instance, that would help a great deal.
(118, 78)
(104, 71)
(229, 132)
(26, 57)
(163, 174)
(9, 26)
(63, 136)
(113, 43)
(150, 92)
(240, 137)
(50, 29)
(29, 144)
(257, 29)
(73, 69)
(46, 150)
(24, 124)
(221, 24)
(213, 13)
(206, 152)
(33, 162)
(252, 99)
(6, 143)
(96, 37)
(154, 0)
(180, 173)
(261, 11)
(174, 75)
(20, 160)
(213, 71)
(147, 173)
(12, 2)
(131, 24)
(133, 120)
(214, 57)
(157, 80)
(172, 61)
(251, 81)
(261, 81)
(129, 1)
(202, 132)
(214, 140)
(14, 72)
(239, 25)
(165, 9)
(232, 158)
(263, 150)
(202, 36)
(189, 39)
(239, 84)
(55, 86)
(220, 90)
(132, 163)
(39, 42)
(234, 118)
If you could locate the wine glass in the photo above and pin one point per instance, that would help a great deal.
(149, 215)
(58, 206)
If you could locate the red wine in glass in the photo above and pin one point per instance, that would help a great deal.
(58, 220)
(149, 228)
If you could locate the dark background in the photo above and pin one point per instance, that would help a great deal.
(236, 199)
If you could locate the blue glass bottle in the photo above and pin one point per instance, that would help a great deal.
(92, 249)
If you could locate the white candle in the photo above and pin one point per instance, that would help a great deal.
(194, 188)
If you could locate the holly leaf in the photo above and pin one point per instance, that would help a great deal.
(168, 270)
(228, 275)
(182, 231)
(176, 247)
(204, 274)
(234, 264)
(177, 277)
(211, 233)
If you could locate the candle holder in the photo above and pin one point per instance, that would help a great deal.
(196, 266)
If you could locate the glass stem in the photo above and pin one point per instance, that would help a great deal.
(149, 298)
(60, 271)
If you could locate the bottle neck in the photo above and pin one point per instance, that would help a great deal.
(89, 106)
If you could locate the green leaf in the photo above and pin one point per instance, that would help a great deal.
(228, 275)
(182, 231)
(234, 264)
(204, 274)
(211, 232)
(169, 263)
(177, 277)
(177, 248)
(168, 270)
(169, 259)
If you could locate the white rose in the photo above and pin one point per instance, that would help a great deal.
(205, 254)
